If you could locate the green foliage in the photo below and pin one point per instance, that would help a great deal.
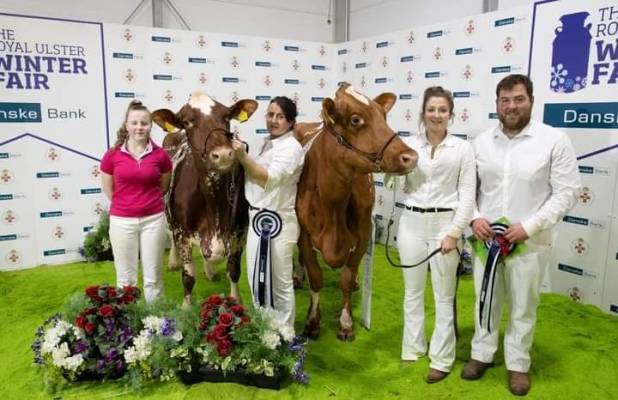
(97, 246)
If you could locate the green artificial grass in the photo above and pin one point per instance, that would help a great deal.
(575, 352)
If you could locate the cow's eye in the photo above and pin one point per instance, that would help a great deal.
(356, 120)
(188, 124)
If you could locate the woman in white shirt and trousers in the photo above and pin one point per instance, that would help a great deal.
(439, 197)
(270, 188)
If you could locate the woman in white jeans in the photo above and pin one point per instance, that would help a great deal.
(135, 175)
(439, 203)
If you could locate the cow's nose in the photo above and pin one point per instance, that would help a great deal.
(408, 160)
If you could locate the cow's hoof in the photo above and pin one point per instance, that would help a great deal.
(311, 333)
(186, 303)
(346, 335)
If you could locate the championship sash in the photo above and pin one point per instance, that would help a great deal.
(492, 252)
(267, 225)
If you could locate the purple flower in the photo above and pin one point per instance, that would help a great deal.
(80, 346)
(168, 327)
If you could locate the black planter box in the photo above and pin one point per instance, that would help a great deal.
(207, 374)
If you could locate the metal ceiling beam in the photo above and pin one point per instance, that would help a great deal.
(135, 11)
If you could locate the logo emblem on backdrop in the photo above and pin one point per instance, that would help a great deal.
(55, 194)
(167, 58)
(363, 82)
(201, 41)
(411, 37)
(364, 47)
(168, 96)
(202, 79)
(570, 54)
(385, 61)
(380, 200)
(295, 65)
(344, 67)
(295, 97)
(97, 209)
(9, 217)
(13, 257)
(267, 81)
(95, 172)
(58, 233)
(127, 35)
(267, 46)
(129, 75)
(464, 115)
(575, 294)
(407, 115)
(579, 247)
(234, 62)
(437, 53)
(234, 97)
(586, 196)
(508, 47)
(467, 73)
(6, 176)
(322, 50)
(321, 83)
(409, 77)
(52, 154)
(470, 27)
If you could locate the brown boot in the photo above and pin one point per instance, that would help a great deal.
(435, 375)
(519, 383)
(474, 369)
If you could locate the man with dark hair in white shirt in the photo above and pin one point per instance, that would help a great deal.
(527, 172)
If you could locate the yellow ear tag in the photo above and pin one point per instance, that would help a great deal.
(169, 128)
(242, 116)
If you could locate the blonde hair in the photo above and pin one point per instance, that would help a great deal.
(121, 134)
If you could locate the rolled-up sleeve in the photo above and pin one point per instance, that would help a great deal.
(284, 164)
(466, 192)
(565, 184)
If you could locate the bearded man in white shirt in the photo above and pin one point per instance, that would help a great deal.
(527, 172)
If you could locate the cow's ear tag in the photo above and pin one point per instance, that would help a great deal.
(242, 116)
(169, 128)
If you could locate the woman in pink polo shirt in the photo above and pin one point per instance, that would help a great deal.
(136, 174)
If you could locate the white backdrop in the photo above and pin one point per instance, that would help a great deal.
(161, 67)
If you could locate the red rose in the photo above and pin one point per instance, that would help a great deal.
(244, 320)
(203, 325)
(214, 299)
(106, 311)
(220, 332)
(93, 292)
(132, 290)
(238, 309)
(81, 321)
(226, 319)
(89, 327)
(127, 299)
(91, 310)
(206, 313)
(224, 347)
(111, 292)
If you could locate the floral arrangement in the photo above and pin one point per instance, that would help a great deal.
(104, 333)
(233, 341)
(97, 245)
(94, 343)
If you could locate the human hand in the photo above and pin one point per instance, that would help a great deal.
(516, 233)
(448, 244)
(240, 149)
(481, 229)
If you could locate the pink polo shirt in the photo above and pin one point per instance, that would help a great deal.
(137, 190)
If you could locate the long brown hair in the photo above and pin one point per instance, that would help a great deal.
(121, 134)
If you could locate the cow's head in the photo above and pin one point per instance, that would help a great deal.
(207, 125)
(359, 124)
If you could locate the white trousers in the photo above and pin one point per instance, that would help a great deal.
(518, 281)
(418, 235)
(135, 237)
(282, 254)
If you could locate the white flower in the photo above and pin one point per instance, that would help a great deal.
(177, 336)
(141, 348)
(153, 323)
(59, 354)
(130, 355)
(271, 339)
(73, 363)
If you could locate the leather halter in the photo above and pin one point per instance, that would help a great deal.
(375, 157)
